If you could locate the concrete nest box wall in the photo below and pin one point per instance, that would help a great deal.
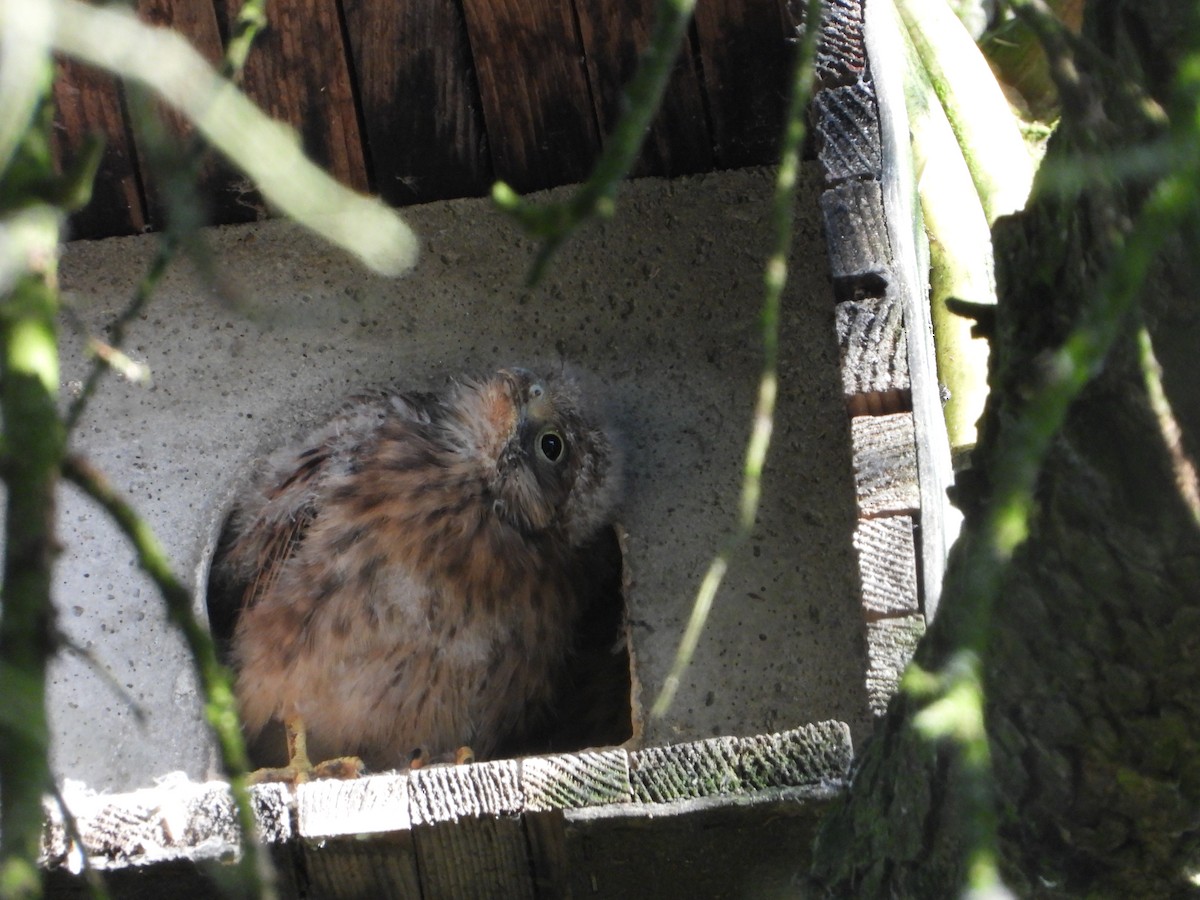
(660, 305)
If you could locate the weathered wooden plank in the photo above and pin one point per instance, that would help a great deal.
(161, 157)
(744, 55)
(885, 464)
(614, 35)
(846, 127)
(859, 251)
(382, 866)
(485, 830)
(940, 521)
(177, 819)
(576, 779)
(809, 755)
(757, 848)
(298, 72)
(334, 808)
(420, 102)
(874, 355)
(548, 858)
(540, 122)
(890, 646)
(469, 838)
(88, 102)
(841, 52)
(887, 564)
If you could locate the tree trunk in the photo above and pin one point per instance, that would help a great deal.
(1092, 662)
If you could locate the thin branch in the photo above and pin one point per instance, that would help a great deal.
(774, 278)
(63, 641)
(95, 881)
(251, 19)
(1186, 480)
(554, 223)
(167, 246)
(220, 708)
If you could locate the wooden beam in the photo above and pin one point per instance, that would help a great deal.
(890, 646)
(884, 451)
(218, 186)
(887, 564)
(860, 254)
(420, 102)
(88, 102)
(745, 53)
(541, 124)
(614, 36)
(874, 355)
(298, 72)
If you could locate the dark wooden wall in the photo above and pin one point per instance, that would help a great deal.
(422, 100)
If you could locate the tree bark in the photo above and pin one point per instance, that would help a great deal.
(1092, 663)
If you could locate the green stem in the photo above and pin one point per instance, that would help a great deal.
(35, 438)
(774, 279)
(556, 222)
(220, 707)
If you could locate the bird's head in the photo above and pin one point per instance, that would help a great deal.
(547, 460)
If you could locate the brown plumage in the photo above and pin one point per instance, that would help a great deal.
(408, 575)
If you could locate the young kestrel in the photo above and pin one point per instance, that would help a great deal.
(408, 576)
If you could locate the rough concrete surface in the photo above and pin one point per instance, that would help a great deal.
(661, 304)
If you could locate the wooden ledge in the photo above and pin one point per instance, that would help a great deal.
(517, 827)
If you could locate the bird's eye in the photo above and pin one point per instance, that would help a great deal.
(536, 390)
(551, 445)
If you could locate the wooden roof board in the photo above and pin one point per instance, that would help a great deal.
(90, 103)
(745, 50)
(299, 73)
(536, 100)
(614, 37)
(421, 107)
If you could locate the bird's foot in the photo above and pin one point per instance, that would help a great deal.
(300, 771)
(300, 768)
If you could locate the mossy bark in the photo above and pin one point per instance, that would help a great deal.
(1092, 662)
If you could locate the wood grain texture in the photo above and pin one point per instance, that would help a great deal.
(420, 101)
(298, 72)
(859, 249)
(469, 839)
(576, 779)
(890, 646)
(887, 564)
(355, 867)
(482, 830)
(614, 36)
(540, 121)
(162, 155)
(874, 355)
(884, 451)
(841, 53)
(812, 754)
(88, 102)
(846, 129)
(940, 520)
(333, 808)
(745, 56)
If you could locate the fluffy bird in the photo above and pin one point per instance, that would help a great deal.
(407, 579)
